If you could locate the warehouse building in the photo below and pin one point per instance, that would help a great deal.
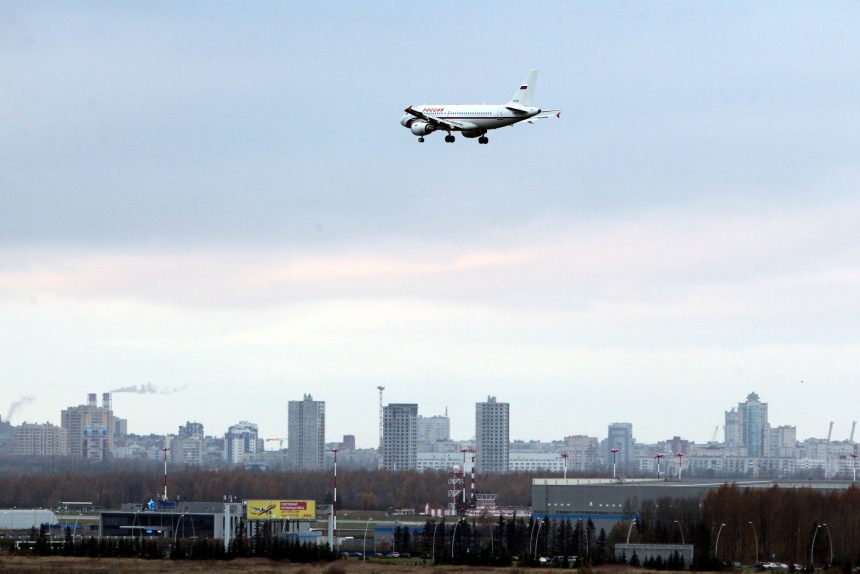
(606, 501)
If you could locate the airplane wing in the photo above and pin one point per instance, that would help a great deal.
(440, 123)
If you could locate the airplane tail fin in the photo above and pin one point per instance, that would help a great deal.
(526, 92)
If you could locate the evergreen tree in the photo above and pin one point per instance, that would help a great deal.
(599, 554)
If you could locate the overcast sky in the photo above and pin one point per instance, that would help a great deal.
(218, 198)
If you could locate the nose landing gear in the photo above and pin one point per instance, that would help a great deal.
(420, 140)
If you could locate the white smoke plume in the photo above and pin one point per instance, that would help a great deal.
(16, 404)
(148, 389)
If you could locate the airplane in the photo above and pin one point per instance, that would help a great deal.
(473, 121)
(260, 510)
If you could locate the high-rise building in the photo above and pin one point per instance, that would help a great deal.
(306, 433)
(781, 442)
(748, 426)
(120, 427)
(41, 440)
(191, 429)
(187, 446)
(492, 436)
(240, 441)
(433, 429)
(582, 452)
(620, 436)
(399, 436)
(90, 429)
(733, 429)
(7, 436)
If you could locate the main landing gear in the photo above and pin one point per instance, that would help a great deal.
(483, 140)
(449, 139)
(420, 140)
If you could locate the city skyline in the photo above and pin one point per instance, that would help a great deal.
(176, 215)
(723, 423)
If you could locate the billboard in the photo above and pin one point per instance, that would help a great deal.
(281, 510)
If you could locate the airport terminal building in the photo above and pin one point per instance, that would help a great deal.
(172, 520)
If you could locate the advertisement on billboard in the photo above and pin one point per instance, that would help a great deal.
(281, 510)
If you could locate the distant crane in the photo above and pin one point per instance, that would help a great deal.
(830, 432)
(853, 428)
(280, 440)
(716, 430)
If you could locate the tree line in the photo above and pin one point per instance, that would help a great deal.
(747, 525)
(261, 545)
(111, 485)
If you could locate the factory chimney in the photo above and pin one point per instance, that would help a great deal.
(91, 400)
(106, 400)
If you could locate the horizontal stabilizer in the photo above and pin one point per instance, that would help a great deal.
(517, 108)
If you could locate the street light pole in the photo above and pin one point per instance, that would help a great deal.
(830, 540)
(812, 547)
(564, 456)
(629, 529)
(537, 537)
(364, 540)
(682, 531)
(680, 456)
(658, 457)
(433, 552)
(756, 540)
(531, 533)
(717, 545)
(454, 538)
(853, 467)
(176, 532)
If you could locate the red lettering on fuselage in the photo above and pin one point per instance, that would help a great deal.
(433, 110)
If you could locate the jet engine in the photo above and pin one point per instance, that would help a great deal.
(421, 128)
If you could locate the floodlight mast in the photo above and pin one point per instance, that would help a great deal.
(164, 496)
(614, 452)
(334, 502)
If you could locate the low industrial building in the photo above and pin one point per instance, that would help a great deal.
(173, 520)
(606, 501)
(212, 520)
(26, 518)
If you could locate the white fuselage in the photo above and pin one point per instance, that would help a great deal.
(474, 117)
